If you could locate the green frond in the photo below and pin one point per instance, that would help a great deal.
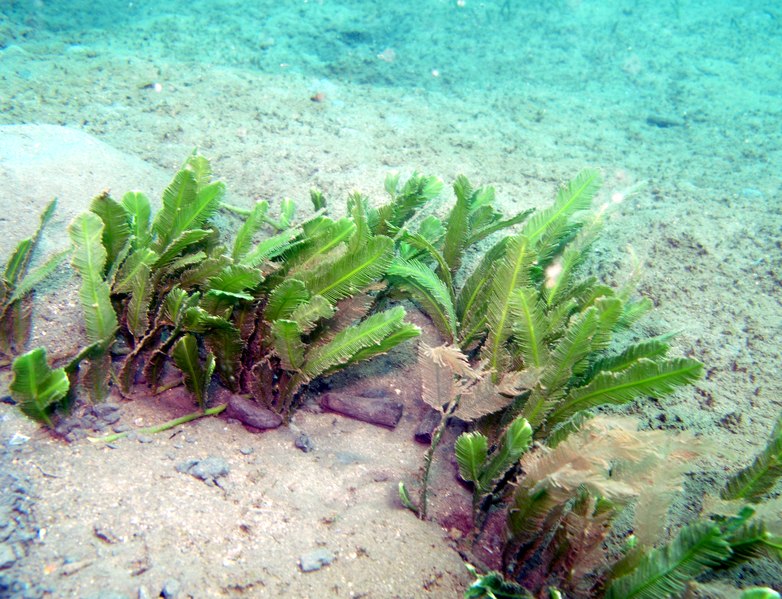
(249, 228)
(16, 266)
(478, 233)
(529, 330)
(284, 299)
(493, 586)
(471, 451)
(236, 281)
(227, 346)
(308, 314)
(200, 167)
(559, 274)
(116, 226)
(287, 212)
(188, 203)
(528, 512)
(457, 228)
(177, 303)
(137, 313)
(36, 387)
(195, 375)
(89, 259)
(404, 333)
(415, 241)
(139, 261)
(571, 351)
(633, 311)
(576, 196)
(269, 248)
(33, 278)
(197, 320)
(651, 349)
(643, 378)
(514, 442)
(416, 192)
(352, 272)
(471, 300)
(664, 572)
(140, 212)
(757, 480)
(201, 269)
(287, 344)
(350, 341)
(177, 246)
(512, 273)
(318, 199)
(321, 236)
(425, 287)
(424, 241)
(359, 209)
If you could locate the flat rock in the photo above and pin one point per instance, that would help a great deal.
(7, 556)
(38, 163)
(251, 413)
(315, 560)
(375, 410)
(207, 470)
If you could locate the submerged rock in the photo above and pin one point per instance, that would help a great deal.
(315, 560)
(252, 414)
(208, 470)
(375, 410)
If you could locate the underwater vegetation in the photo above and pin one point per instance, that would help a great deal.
(530, 361)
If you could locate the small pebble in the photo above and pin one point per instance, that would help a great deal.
(304, 443)
(121, 428)
(7, 556)
(315, 560)
(170, 589)
(246, 450)
(144, 439)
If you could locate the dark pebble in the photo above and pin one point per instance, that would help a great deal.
(429, 422)
(7, 556)
(252, 414)
(247, 450)
(315, 560)
(304, 443)
(75, 435)
(145, 439)
(171, 589)
(208, 470)
(111, 418)
(375, 410)
(121, 428)
(104, 409)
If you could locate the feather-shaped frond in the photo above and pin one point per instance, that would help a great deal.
(352, 272)
(512, 444)
(139, 261)
(174, 248)
(204, 269)
(269, 248)
(644, 378)
(428, 289)
(196, 375)
(33, 278)
(140, 211)
(577, 195)
(471, 450)
(188, 202)
(633, 311)
(284, 299)
(574, 347)
(416, 191)
(530, 509)
(89, 259)
(664, 572)
(176, 304)
(227, 346)
(480, 398)
(308, 314)
(479, 232)
(287, 344)
(437, 382)
(403, 333)
(20, 259)
(511, 274)
(471, 300)
(137, 313)
(757, 480)
(116, 225)
(415, 241)
(36, 387)
(424, 241)
(350, 341)
(559, 274)
(236, 281)
(651, 349)
(457, 229)
(249, 228)
(529, 330)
